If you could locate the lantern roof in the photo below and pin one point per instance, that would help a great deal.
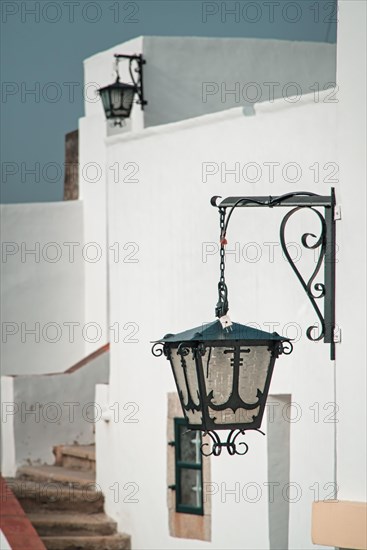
(215, 331)
(118, 85)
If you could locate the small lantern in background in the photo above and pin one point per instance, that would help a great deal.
(117, 98)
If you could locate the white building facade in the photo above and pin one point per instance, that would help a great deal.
(148, 208)
(168, 281)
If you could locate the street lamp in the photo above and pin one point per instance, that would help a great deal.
(117, 98)
(222, 369)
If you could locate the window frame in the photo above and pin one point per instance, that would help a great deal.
(180, 466)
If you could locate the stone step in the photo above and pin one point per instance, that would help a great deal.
(80, 457)
(66, 476)
(113, 542)
(48, 524)
(45, 495)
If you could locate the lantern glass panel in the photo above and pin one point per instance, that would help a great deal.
(228, 416)
(184, 368)
(105, 95)
(219, 368)
(218, 373)
(116, 98)
(253, 372)
(122, 99)
(128, 98)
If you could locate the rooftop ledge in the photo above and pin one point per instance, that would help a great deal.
(246, 110)
(340, 523)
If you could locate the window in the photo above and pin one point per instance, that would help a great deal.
(190, 506)
(188, 469)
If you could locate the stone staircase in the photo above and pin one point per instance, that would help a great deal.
(63, 503)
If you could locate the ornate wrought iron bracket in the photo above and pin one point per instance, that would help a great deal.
(325, 244)
(138, 82)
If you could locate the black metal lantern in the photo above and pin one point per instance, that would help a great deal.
(223, 377)
(117, 98)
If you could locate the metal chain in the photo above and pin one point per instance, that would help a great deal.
(222, 305)
(222, 266)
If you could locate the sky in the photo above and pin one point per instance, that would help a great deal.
(44, 43)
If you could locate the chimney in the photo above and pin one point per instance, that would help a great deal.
(71, 178)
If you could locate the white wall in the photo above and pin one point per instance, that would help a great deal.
(167, 213)
(42, 291)
(7, 447)
(93, 128)
(188, 77)
(4, 542)
(351, 275)
(92, 178)
(39, 412)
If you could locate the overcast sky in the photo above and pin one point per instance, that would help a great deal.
(43, 44)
